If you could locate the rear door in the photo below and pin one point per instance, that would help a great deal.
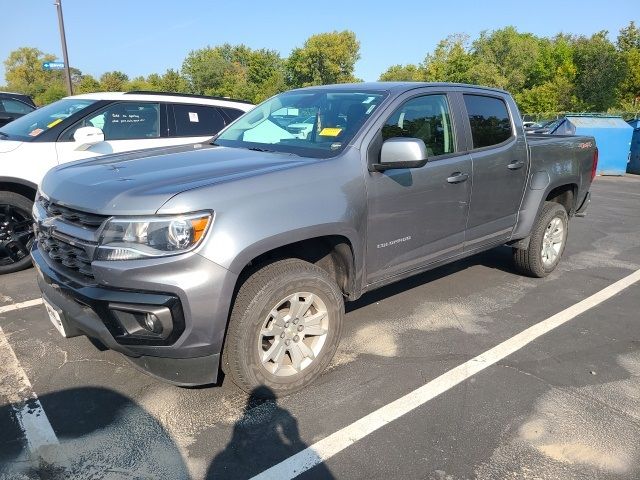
(499, 159)
(418, 216)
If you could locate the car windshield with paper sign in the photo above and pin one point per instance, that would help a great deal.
(37, 122)
(315, 123)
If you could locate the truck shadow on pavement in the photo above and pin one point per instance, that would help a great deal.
(104, 434)
(498, 258)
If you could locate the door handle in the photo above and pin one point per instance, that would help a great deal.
(515, 165)
(458, 177)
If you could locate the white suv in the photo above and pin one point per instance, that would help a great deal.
(84, 126)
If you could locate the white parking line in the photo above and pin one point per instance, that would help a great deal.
(19, 306)
(338, 441)
(16, 388)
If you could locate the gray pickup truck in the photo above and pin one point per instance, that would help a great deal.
(239, 254)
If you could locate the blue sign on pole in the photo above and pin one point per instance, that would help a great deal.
(52, 65)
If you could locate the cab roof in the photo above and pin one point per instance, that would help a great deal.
(397, 87)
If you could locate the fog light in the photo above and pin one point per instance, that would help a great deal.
(143, 321)
(152, 323)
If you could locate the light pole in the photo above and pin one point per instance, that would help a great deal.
(63, 39)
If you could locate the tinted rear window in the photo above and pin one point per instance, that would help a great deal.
(232, 113)
(489, 119)
(197, 120)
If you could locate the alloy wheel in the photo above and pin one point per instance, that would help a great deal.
(552, 241)
(293, 334)
(16, 234)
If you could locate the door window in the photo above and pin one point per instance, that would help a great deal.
(426, 118)
(489, 120)
(197, 120)
(123, 121)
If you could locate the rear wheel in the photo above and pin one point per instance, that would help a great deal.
(16, 232)
(547, 242)
(285, 327)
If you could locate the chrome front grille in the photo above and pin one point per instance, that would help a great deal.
(68, 237)
(74, 217)
(70, 256)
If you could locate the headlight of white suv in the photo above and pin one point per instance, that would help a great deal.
(148, 237)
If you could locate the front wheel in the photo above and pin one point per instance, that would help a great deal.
(547, 242)
(16, 232)
(285, 327)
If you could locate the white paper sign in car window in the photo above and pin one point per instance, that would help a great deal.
(193, 117)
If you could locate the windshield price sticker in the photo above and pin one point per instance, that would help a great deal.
(330, 132)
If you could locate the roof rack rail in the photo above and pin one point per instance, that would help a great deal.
(189, 95)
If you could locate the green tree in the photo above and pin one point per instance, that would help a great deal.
(53, 92)
(600, 71)
(323, 59)
(87, 84)
(552, 78)
(170, 81)
(113, 81)
(403, 73)
(234, 71)
(505, 58)
(451, 61)
(630, 85)
(629, 37)
(628, 44)
(24, 73)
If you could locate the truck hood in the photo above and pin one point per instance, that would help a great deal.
(140, 182)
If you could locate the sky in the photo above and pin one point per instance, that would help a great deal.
(140, 37)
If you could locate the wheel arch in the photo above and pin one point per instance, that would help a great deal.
(541, 189)
(19, 186)
(334, 253)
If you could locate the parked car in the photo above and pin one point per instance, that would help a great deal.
(91, 125)
(14, 105)
(546, 127)
(530, 126)
(240, 253)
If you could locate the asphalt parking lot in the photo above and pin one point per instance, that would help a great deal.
(566, 405)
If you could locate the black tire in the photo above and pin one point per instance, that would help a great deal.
(256, 298)
(529, 261)
(15, 239)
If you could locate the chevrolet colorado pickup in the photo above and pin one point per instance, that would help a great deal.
(238, 254)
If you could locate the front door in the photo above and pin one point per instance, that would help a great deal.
(417, 216)
(126, 126)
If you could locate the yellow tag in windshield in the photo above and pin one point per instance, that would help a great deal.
(54, 123)
(330, 132)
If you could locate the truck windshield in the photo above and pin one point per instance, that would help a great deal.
(314, 123)
(31, 125)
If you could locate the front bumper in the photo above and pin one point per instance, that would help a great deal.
(195, 290)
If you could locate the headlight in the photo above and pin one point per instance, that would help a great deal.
(134, 238)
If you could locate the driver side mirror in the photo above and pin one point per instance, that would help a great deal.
(86, 137)
(402, 152)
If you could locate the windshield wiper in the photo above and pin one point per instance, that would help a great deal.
(4, 135)
(257, 149)
(266, 150)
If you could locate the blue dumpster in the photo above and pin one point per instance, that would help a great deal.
(634, 158)
(612, 134)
